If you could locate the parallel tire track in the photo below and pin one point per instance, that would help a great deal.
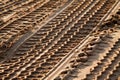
(42, 53)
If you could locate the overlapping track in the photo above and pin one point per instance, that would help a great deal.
(10, 33)
(49, 46)
(98, 58)
(16, 9)
(98, 54)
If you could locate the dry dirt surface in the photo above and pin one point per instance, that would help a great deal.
(59, 39)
